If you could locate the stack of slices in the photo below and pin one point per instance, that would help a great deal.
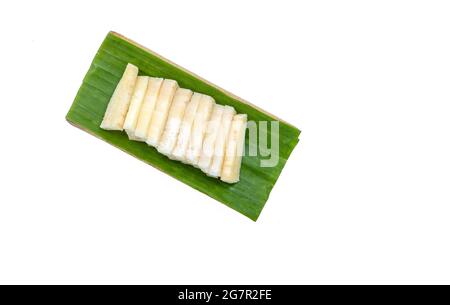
(183, 125)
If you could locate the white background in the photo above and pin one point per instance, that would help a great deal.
(364, 197)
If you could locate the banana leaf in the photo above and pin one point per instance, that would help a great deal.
(249, 195)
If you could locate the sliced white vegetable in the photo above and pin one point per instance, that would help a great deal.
(161, 111)
(135, 106)
(183, 125)
(199, 129)
(234, 149)
(219, 148)
(176, 113)
(148, 105)
(120, 101)
(212, 131)
(179, 152)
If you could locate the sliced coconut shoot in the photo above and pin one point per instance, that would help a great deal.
(212, 131)
(117, 109)
(135, 106)
(234, 149)
(182, 125)
(179, 152)
(161, 111)
(148, 105)
(199, 129)
(176, 113)
(219, 148)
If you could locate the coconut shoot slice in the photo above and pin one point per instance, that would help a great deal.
(212, 131)
(234, 149)
(170, 134)
(199, 129)
(148, 105)
(179, 152)
(117, 109)
(161, 111)
(135, 106)
(219, 148)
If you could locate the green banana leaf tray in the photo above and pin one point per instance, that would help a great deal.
(249, 195)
